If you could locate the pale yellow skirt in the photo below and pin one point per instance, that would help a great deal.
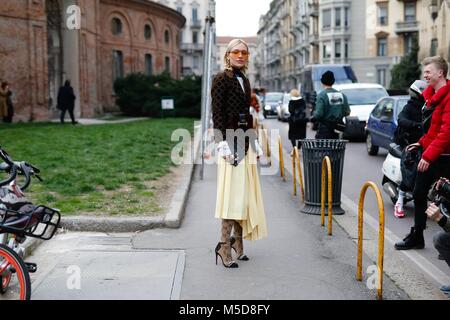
(239, 196)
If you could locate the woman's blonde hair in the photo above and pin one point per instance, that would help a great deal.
(233, 43)
(295, 93)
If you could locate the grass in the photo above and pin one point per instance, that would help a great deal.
(99, 169)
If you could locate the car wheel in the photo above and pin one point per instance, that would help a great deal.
(371, 149)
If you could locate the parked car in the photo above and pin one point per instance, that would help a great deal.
(272, 101)
(362, 98)
(283, 109)
(383, 123)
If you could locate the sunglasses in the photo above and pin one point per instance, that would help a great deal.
(236, 53)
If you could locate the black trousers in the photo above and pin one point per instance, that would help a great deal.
(63, 114)
(442, 244)
(326, 131)
(424, 180)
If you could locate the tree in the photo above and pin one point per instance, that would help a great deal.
(407, 70)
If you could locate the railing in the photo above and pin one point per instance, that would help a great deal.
(380, 235)
(326, 167)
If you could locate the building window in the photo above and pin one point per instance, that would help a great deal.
(180, 9)
(338, 17)
(195, 37)
(117, 65)
(326, 19)
(196, 63)
(326, 50)
(382, 14)
(167, 64)
(346, 17)
(337, 49)
(409, 39)
(381, 76)
(346, 50)
(147, 32)
(382, 47)
(194, 14)
(410, 11)
(166, 37)
(434, 47)
(148, 64)
(116, 26)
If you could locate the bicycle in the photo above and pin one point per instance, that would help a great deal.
(20, 219)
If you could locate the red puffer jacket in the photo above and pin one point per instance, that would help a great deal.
(437, 140)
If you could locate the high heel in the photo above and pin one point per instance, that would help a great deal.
(224, 246)
(238, 248)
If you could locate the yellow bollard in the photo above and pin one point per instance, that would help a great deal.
(326, 165)
(294, 175)
(380, 235)
(280, 150)
(299, 167)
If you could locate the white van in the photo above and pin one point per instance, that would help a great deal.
(362, 98)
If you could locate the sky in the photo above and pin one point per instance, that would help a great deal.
(239, 18)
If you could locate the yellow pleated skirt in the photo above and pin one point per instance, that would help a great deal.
(239, 196)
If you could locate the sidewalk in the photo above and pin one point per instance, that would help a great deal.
(297, 261)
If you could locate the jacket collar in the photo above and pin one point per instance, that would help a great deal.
(434, 98)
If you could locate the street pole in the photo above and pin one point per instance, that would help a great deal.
(206, 87)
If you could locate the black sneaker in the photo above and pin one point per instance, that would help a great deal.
(414, 240)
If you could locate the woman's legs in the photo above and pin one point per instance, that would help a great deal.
(398, 208)
(238, 244)
(223, 248)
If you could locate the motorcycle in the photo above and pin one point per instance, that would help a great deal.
(392, 174)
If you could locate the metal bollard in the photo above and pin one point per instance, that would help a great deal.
(280, 149)
(326, 165)
(372, 185)
(302, 188)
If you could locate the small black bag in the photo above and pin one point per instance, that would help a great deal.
(408, 166)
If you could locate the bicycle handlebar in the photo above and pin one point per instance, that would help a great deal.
(15, 168)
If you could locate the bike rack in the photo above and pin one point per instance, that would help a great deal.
(296, 159)
(280, 149)
(326, 165)
(372, 185)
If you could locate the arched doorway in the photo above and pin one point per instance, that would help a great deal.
(55, 51)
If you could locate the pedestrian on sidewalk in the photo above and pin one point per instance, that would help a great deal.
(298, 119)
(4, 101)
(435, 145)
(331, 107)
(239, 202)
(409, 131)
(66, 101)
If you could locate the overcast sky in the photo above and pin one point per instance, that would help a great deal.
(239, 18)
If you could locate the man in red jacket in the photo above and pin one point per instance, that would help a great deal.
(435, 144)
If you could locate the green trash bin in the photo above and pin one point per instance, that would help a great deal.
(314, 151)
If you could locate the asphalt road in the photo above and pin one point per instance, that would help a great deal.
(359, 168)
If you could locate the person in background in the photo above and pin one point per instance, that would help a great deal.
(297, 119)
(409, 131)
(4, 100)
(66, 101)
(331, 107)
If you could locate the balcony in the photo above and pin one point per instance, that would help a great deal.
(196, 24)
(191, 47)
(314, 10)
(407, 27)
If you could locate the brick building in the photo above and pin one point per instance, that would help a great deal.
(39, 50)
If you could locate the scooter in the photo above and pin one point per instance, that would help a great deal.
(392, 174)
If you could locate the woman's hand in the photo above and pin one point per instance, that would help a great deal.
(412, 147)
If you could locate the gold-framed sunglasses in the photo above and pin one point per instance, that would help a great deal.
(236, 53)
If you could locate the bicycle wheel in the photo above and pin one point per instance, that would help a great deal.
(16, 284)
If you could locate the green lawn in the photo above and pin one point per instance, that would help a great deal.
(99, 169)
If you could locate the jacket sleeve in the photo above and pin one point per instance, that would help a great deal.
(404, 118)
(441, 143)
(218, 98)
(347, 109)
(320, 108)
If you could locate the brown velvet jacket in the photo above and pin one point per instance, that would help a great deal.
(228, 101)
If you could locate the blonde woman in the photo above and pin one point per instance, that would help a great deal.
(239, 201)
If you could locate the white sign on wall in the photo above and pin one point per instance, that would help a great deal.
(167, 104)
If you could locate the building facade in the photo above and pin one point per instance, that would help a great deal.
(92, 43)
(192, 37)
(370, 35)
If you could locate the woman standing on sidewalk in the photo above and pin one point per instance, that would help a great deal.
(239, 201)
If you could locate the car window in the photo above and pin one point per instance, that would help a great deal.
(364, 95)
(378, 108)
(388, 110)
(274, 97)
